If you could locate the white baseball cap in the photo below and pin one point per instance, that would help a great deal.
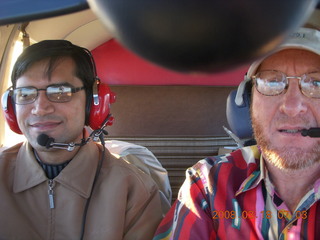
(304, 38)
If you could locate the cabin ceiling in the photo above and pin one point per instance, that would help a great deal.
(82, 28)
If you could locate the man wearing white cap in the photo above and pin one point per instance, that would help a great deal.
(270, 190)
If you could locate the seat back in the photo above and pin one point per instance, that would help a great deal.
(145, 160)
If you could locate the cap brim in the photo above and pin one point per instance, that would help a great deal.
(305, 39)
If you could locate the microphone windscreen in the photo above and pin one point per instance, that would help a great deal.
(311, 132)
(44, 140)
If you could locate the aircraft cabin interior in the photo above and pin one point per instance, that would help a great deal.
(180, 117)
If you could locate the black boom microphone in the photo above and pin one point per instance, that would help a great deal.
(48, 142)
(44, 140)
(311, 132)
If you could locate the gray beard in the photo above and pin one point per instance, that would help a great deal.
(285, 158)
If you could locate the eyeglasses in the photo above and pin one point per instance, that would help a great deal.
(272, 83)
(55, 93)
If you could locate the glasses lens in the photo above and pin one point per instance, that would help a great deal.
(59, 93)
(310, 85)
(24, 95)
(270, 83)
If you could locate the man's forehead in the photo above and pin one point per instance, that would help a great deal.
(43, 72)
(291, 57)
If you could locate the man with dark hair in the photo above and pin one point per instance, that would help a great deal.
(270, 190)
(59, 184)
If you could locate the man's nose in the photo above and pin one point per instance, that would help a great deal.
(42, 105)
(293, 99)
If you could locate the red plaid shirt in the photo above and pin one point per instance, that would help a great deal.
(231, 197)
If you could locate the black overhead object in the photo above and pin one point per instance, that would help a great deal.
(202, 36)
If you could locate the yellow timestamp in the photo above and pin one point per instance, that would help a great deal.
(282, 214)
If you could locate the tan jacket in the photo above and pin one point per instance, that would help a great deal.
(125, 203)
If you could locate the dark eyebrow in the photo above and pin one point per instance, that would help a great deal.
(61, 84)
(66, 84)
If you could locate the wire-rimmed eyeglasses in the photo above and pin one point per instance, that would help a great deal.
(55, 93)
(273, 82)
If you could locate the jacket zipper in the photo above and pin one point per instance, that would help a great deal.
(51, 193)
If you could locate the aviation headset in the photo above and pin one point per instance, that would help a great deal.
(238, 110)
(98, 95)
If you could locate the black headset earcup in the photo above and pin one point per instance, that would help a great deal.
(238, 116)
(9, 112)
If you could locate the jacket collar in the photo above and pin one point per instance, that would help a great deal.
(78, 176)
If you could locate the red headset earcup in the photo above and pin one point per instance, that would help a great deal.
(100, 112)
(9, 113)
